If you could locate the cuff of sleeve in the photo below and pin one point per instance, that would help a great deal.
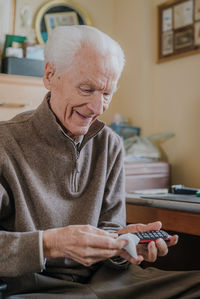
(41, 252)
(22, 253)
(117, 262)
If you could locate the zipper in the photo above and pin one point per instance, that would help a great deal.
(77, 154)
(74, 180)
(76, 171)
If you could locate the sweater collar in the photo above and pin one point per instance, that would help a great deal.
(46, 123)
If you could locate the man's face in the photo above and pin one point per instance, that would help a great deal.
(84, 92)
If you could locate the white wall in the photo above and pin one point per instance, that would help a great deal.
(160, 97)
(100, 11)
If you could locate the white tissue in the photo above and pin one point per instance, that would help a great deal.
(133, 240)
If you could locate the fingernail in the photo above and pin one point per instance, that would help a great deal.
(159, 240)
(152, 244)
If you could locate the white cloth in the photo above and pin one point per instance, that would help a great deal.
(133, 240)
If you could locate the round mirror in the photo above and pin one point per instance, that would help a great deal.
(58, 13)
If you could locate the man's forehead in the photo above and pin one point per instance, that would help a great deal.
(89, 57)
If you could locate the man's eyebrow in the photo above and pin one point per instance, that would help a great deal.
(87, 82)
(94, 86)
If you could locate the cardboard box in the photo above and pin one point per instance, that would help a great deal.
(147, 175)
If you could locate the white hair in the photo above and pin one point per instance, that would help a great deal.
(65, 41)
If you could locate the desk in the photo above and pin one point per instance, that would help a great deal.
(175, 216)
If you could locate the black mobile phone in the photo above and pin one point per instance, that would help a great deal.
(147, 237)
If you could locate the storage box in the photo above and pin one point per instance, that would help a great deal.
(10, 39)
(22, 66)
(147, 175)
(125, 131)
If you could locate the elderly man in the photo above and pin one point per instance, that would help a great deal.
(62, 200)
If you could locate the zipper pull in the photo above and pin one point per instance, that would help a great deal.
(77, 154)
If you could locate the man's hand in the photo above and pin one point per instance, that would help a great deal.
(83, 243)
(151, 251)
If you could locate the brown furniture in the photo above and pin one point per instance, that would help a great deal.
(29, 91)
(177, 217)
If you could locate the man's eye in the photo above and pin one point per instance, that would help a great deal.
(87, 90)
(107, 96)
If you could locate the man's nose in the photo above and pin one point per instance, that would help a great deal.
(96, 104)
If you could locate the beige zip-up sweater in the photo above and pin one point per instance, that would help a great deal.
(46, 183)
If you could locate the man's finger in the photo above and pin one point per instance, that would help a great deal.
(133, 228)
(152, 226)
(100, 241)
(173, 241)
(124, 254)
(92, 229)
(152, 252)
(161, 247)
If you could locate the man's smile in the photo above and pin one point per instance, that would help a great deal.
(82, 116)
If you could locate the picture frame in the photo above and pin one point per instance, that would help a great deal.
(53, 20)
(7, 16)
(178, 23)
(197, 10)
(183, 39)
(56, 12)
(197, 34)
(167, 47)
(183, 14)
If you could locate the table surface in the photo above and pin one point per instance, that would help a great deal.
(176, 216)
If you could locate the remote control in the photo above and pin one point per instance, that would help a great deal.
(153, 235)
(142, 238)
(147, 237)
(181, 189)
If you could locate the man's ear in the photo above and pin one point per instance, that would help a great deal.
(49, 74)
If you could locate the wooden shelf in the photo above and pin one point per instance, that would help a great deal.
(20, 80)
(184, 222)
(21, 89)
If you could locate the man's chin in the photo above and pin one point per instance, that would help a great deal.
(81, 131)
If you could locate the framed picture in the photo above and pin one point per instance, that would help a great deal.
(167, 43)
(197, 34)
(183, 39)
(178, 29)
(197, 10)
(56, 13)
(167, 19)
(7, 14)
(60, 19)
(183, 14)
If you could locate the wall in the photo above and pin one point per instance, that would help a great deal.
(176, 99)
(101, 12)
(159, 97)
(133, 31)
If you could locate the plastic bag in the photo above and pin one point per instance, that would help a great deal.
(143, 148)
